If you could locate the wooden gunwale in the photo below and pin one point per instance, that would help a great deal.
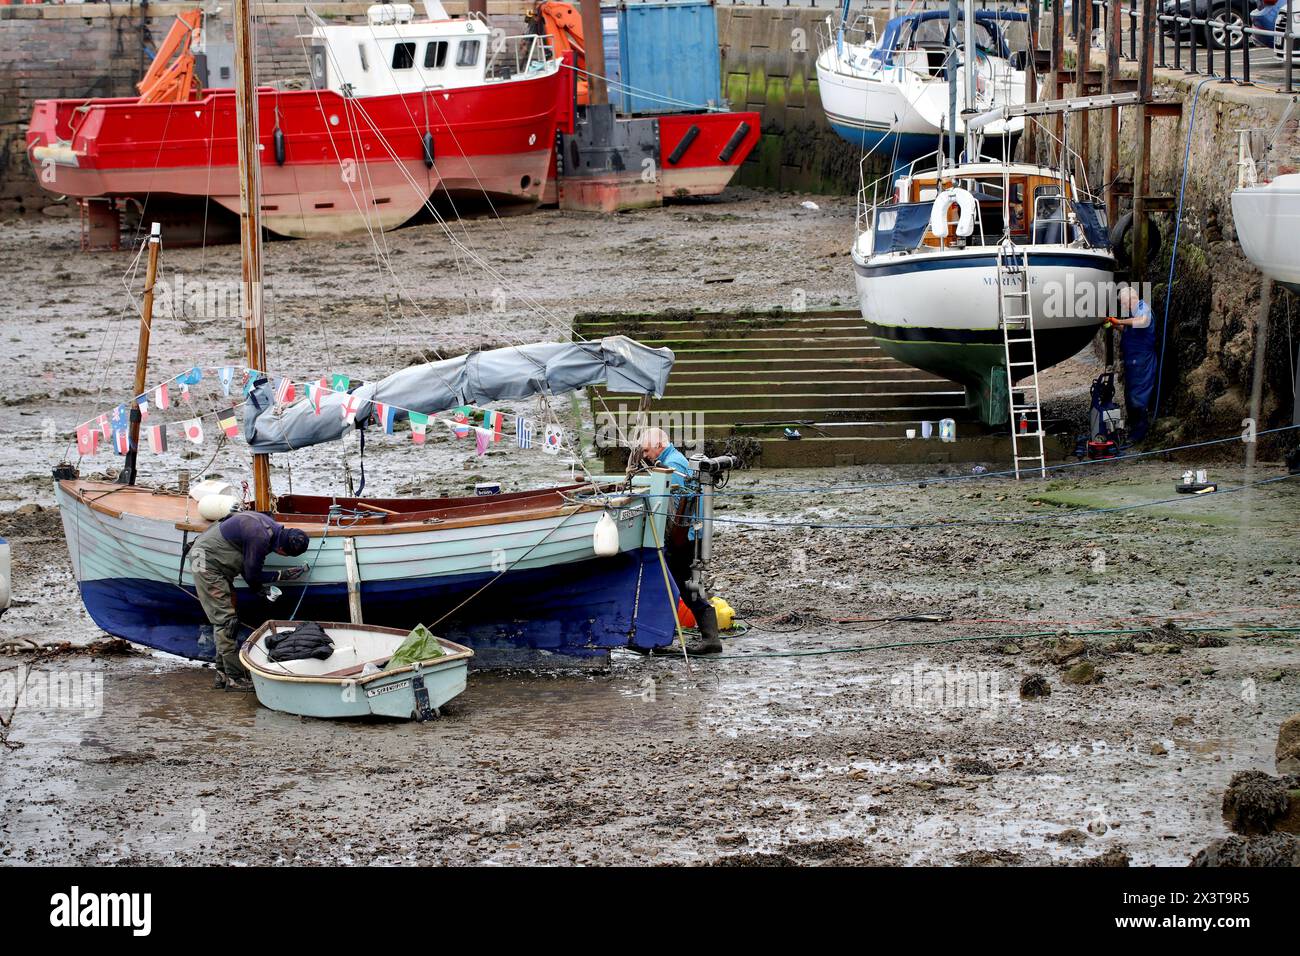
(314, 525)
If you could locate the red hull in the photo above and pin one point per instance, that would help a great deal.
(700, 169)
(348, 164)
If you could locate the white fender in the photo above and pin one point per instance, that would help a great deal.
(604, 539)
(939, 213)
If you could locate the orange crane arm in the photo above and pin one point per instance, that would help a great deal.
(563, 24)
(171, 80)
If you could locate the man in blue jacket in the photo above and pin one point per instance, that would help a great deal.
(235, 546)
(1140, 364)
(679, 549)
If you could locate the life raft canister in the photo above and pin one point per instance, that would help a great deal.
(939, 212)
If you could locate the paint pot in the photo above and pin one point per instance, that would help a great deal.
(484, 488)
(947, 430)
(1201, 477)
(273, 593)
(911, 433)
(927, 429)
(1187, 477)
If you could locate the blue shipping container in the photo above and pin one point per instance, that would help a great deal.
(667, 57)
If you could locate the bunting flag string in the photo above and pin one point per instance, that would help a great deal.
(487, 425)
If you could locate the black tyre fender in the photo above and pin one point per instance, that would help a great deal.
(1119, 233)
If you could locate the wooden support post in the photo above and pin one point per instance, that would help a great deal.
(1031, 82)
(128, 475)
(1057, 65)
(1114, 40)
(1257, 379)
(593, 38)
(354, 580)
(1142, 174)
(1083, 60)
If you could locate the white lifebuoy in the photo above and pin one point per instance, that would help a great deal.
(939, 213)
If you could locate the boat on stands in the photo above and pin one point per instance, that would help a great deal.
(399, 112)
(659, 107)
(511, 576)
(1266, 203)
(891, 94)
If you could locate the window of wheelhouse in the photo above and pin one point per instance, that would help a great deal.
(998, 218)
(435, 55)
(403, 56)
(467, 53)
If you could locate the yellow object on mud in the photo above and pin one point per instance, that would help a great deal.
(726, 614)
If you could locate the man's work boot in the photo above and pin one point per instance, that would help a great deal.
(709, 642)
(239, 684)
(219, 681)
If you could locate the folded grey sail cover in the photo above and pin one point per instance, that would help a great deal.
(551, 368)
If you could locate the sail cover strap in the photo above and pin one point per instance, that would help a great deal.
(623, 365)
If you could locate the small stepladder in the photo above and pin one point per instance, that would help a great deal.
(1016, 319)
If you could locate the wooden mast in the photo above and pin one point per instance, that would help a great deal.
(250, 222)
(128, 475)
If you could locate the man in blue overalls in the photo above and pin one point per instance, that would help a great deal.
(1140, 366)
(679, 549)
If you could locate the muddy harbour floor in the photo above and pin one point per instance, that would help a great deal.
(824, 735)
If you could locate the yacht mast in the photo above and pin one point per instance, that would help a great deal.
(250, 225)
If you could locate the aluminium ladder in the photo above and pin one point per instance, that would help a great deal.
(1016, 319)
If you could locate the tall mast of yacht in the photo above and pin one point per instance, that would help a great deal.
(250, 224)
(951, 75)
(968, 65)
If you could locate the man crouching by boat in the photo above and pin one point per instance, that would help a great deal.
(679, 549)
(238, 545)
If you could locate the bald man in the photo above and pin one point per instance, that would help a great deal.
(680, 548)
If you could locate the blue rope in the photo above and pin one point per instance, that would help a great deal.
(1173, 253)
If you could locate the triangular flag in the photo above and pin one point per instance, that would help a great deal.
(385, 416)
(419, 423)
(87, 440)
(284, 391)
(229, 422)
(162, 397)
(554, 439)
(194, 430)
(227, 377)
(349, 409)
(481, 438)
(158, 438)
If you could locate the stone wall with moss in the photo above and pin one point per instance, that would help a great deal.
(769, 64)
(1213, 300)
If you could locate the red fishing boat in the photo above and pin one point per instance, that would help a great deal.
(399, 112)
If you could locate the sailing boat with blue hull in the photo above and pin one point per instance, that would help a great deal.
(891, 95)
(509, 575)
